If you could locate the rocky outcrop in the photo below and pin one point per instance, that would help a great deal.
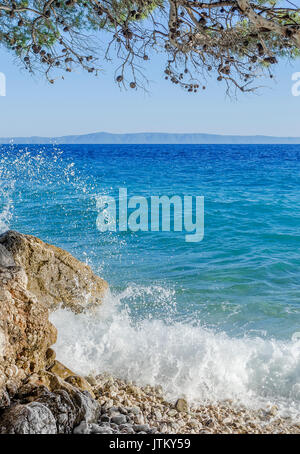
(56, 408)
(25, 332)
(33, 418)
(54, 276)
(37, 393)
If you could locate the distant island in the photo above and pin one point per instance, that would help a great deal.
(150, 138)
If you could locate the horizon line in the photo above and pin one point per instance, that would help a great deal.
(152, 132)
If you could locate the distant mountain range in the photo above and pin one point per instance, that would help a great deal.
(150, 138)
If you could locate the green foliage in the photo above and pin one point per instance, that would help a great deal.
(16, 29)
(196, 37)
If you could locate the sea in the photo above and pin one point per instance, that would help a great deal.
(210, 321)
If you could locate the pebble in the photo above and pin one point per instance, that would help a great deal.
(120, 419)
(113, 411)
(95, 429)
(141, 427)
(273, 410)
(182, 405)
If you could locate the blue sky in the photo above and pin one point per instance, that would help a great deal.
(83, 103)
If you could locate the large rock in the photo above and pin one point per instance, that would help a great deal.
(33, 418)
(56, 408)
(37, 393)
(25, 332)
(54, 276)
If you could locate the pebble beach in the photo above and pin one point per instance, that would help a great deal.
(129, 409)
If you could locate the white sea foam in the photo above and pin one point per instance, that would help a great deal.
(186, 360)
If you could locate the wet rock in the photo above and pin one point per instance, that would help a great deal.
(66, 405)
(89, 408)
(35, 276)
(33, 418)
(60, 370)
(63, 408)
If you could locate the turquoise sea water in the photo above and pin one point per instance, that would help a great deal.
(211, 320)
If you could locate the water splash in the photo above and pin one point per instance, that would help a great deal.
(26, 171)
(193, 361)
(6, 203)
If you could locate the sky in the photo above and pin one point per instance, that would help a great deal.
(83, 103)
